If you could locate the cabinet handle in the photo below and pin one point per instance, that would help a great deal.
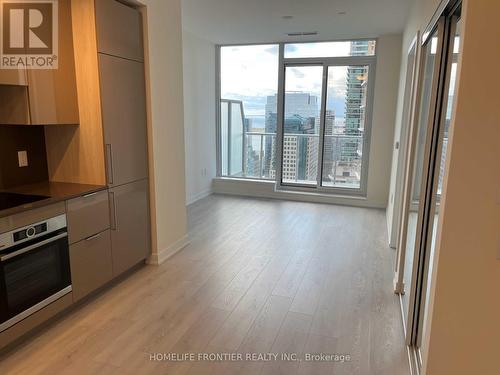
(93, 237)
(109, 158)
(113, 210)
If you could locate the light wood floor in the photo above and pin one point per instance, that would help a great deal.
(258, 276)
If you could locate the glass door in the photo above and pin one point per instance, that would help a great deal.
(414, 207)
(345, 118)
(324, 124)
(301, 124)
(427, 163)
(436, 183)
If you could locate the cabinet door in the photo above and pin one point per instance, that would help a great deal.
(130, 238)
(87, 215)
(119, 30)
(124, 119)
(13, 77)
(90, 262)
(52, 92)
(14, 109)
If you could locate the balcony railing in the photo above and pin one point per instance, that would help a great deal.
(341, 160)
(253, 154)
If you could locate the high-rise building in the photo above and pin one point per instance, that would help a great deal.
(330, 151)
(300, 154)
(355, 101)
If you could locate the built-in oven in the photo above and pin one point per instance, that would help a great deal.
(34, 269)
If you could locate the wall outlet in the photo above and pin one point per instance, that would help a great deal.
(22, 157)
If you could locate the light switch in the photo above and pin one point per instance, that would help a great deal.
(22, 157)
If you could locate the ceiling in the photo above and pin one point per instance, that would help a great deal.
(255, 21)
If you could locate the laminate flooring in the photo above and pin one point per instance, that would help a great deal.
(259, 276)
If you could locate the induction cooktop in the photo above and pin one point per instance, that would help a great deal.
(10, 200)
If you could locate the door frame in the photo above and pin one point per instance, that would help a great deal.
(404, 141)
(433, 180)
(436, 89)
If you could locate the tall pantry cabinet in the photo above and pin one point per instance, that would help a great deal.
(123, 106)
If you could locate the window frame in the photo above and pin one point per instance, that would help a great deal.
(366, 60)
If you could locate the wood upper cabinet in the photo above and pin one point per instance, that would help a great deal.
(124, 119)
(119, 30)
(14, 108)
(13, 77)
(43, 96)
(52, 93)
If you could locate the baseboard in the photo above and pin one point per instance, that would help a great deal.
(197, 197)
(265, 189)
(163, 255)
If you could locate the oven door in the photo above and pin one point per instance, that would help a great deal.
(33, 275)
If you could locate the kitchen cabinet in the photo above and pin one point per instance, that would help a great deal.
(52, 92)
(119, 30)
(14, 97)
(43, 96)
(15, 107)
(130, 238)
(87, 215)
(13, 77)
(124, 119)
(91, 264)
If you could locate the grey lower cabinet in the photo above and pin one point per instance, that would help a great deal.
(130, 233)
(123, 101)
(90, 242)
(91, 264)
(87, 215)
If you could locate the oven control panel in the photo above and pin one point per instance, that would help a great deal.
(32, 231)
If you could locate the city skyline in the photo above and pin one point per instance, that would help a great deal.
(344, 117)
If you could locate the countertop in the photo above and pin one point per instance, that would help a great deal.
(55, 191)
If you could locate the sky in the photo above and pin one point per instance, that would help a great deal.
(250, 73)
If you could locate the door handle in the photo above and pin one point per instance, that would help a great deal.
(109, 159)
(112, 208)
(95, 236)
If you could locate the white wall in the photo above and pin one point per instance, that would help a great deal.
(384, 114)
(163, 43)
(199, 115)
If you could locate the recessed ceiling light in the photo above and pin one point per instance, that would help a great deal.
(287, 17)
(342, 13)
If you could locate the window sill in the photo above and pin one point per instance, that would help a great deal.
(266, 189)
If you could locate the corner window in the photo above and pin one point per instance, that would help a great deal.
(307, 128)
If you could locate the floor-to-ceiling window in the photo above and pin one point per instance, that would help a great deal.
(324, 126)
(308, 130)
(247, 111)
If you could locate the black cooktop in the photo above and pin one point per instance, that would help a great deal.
(10, 200)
